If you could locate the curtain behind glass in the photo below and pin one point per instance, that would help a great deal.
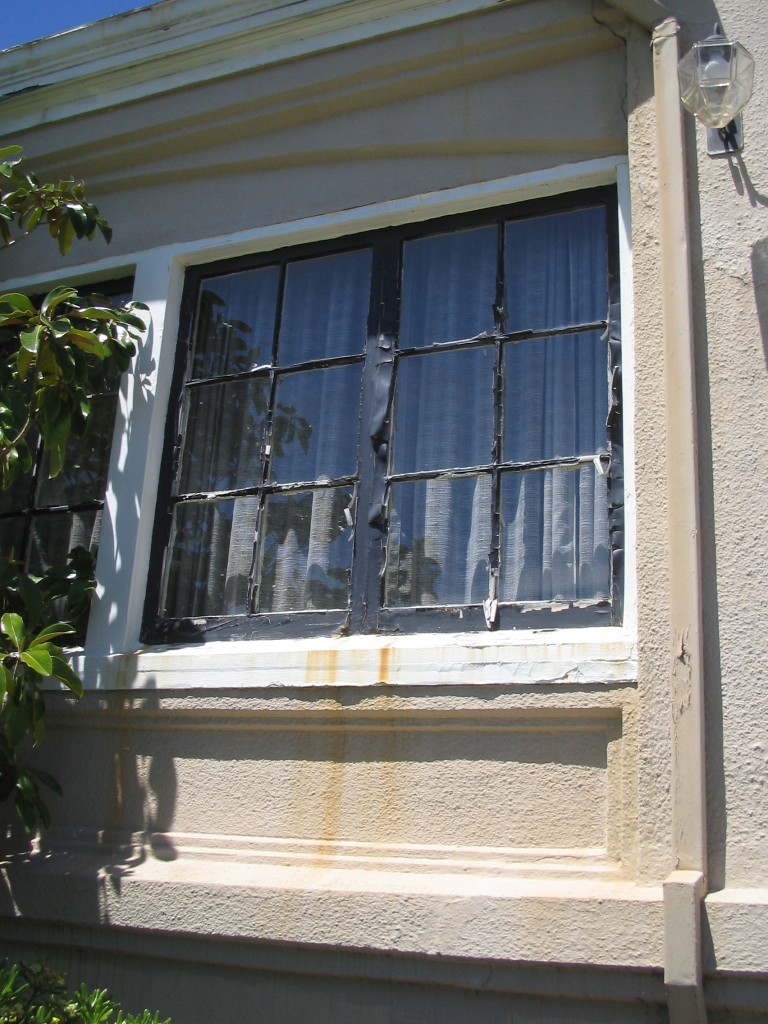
(554, 540)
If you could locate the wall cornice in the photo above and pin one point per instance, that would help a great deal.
(168, 46)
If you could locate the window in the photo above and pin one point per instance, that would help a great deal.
(42, 519)
(413, 429)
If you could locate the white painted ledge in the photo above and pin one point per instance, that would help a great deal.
(569, 656)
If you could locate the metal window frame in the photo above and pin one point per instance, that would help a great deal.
(367, 612)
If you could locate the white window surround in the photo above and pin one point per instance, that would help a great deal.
(113, 657)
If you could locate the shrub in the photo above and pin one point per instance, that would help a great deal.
(38, 995)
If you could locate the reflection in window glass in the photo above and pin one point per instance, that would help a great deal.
(449, 287)
(224, 435)
(212, 551)
(235, 323)
(555, 544)
(306, 554)
(54, 535)
(438, 542)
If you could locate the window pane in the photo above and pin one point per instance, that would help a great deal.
(325, 308)
(449, 287)
(211, 551)
(556, 270)
(84, 476)
(224, 435)
(306, 551)
(554, 542)
(53, 536)
(444, 410)
(235, 323)
(555, 397)
(11, 537)
(316, 424)
(438, 542)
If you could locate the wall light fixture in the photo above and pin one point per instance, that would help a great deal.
(716, 78)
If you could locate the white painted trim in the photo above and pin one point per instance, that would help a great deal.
(628, 396)
(411, 209)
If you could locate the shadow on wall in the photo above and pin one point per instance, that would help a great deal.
(760, 279)
(104, 765)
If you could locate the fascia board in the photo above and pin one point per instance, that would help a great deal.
(154, 50)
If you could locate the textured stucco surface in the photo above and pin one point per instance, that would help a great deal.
(494, 828)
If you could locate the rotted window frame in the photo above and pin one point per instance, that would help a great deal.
(367, 611)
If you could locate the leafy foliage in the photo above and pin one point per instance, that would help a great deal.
(54, 354)
(38, 995)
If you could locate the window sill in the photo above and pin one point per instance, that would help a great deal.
(544, 657)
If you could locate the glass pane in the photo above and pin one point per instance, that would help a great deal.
(325, 308)
(444, 410)
(235, 323)
(11, 536)
(53, 536)
(555, 397)
(556, 270)
(210, 555)
(306, 553)
(438, 542)
(554, 536)
(449, 287)
(316, 424)
(84, 476)
(224, 435)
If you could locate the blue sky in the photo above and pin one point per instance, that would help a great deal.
(21, 22)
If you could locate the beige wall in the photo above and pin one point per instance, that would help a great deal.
(490, 802)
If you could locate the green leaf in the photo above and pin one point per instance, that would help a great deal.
(50, 632)
(10, 154)
(16, 302)
(63, 672)
(46, 779)
(24, 361)
(87, 341)
(13, 626)
(39, 660)
(55, 297)
(30, 338)
(17, 723)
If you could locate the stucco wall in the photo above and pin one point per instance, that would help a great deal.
(485, 801)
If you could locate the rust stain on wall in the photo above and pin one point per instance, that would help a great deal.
(385, 662)
(321, 666)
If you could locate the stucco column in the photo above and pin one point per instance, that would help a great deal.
(685, 888)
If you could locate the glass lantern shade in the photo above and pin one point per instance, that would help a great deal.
(716, 78)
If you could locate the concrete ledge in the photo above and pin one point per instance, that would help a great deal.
(452, 915)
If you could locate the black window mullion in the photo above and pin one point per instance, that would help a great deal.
(375, 436)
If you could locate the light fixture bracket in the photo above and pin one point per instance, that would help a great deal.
(722, 141)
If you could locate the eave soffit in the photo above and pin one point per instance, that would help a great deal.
(169, 45)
